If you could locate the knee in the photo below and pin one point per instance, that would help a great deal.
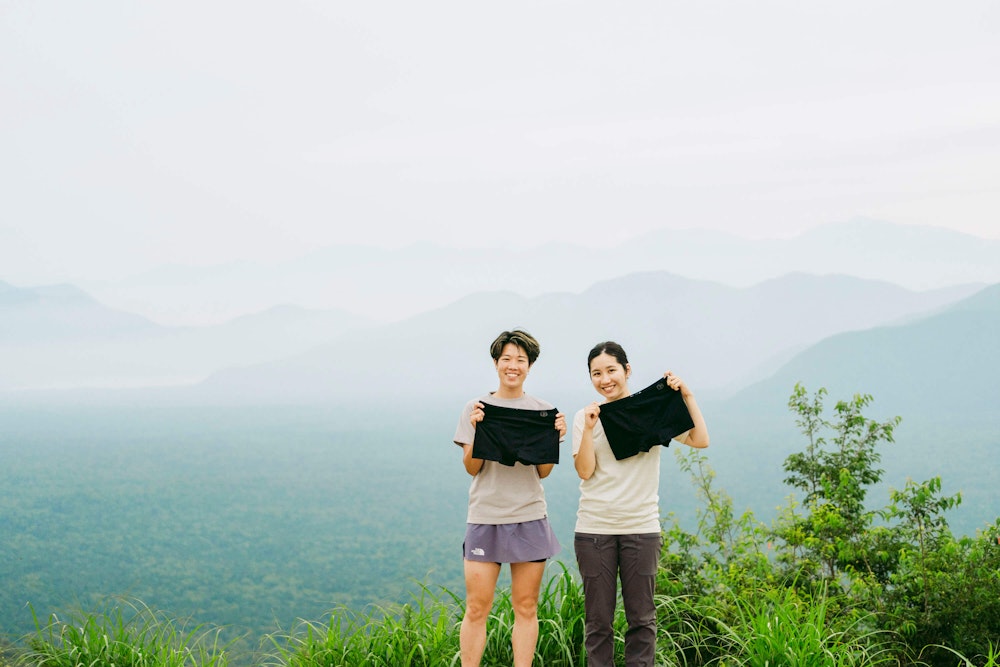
(525, 607)
(640, 614)
(477, 611)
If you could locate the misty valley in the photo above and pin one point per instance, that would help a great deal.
(278, 490)
(254, 517)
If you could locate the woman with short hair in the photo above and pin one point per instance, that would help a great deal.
(507, 520)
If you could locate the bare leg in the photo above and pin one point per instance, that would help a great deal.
(480, 584)
(525, 582)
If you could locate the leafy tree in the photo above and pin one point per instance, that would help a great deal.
(835, 471)
(944, 592)
(725, 551)
(924, 531)
(901, 562)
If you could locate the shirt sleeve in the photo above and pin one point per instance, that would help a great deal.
(577, 431)
(465, 432)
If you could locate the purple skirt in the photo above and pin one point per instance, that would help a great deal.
(525, 542)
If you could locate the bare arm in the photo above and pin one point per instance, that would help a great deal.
(473, 465)
(544, 469)
(585, 461)
(696, 437)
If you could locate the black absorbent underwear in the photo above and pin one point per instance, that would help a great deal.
(508, 435)
(649, 417)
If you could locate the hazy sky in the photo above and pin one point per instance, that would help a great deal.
(139, 133)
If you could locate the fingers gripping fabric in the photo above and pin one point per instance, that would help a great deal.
(509, 435)
(649, 417)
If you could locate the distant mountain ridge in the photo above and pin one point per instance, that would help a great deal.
(945, 362)
(935, 364)
(391, 285)
(939, 373)
(62, 312)
(60, 337)
(725, 336)
(715, 334)
(930, 357)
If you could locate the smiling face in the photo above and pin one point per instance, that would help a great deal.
(512, 368)
(609, 376)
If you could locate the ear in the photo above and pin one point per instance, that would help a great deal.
(628, 370)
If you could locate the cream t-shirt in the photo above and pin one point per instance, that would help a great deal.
(621, 497)
(503, 494)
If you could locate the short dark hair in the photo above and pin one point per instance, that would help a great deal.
(609, 347)
(519, 337)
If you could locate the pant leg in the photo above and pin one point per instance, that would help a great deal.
(597, 558)
(640, 557)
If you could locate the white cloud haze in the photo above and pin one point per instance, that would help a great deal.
(138, 134)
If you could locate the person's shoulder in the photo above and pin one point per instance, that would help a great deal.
(485, 398)
(536, 403)
(470, 404)
(467, 407)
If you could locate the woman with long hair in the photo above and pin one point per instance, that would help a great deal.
(618, 521)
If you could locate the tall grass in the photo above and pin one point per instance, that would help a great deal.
(124, 634)
(685, 632)
(424, 633)
(783, 628)
(421, 633)
(771, 628)
(991, 659)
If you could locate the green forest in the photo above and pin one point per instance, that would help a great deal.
(831, 577)
(246, 520)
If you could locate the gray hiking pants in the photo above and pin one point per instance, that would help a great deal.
(602, 560)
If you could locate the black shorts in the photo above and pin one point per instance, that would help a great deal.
(649, 417)
(509, 435)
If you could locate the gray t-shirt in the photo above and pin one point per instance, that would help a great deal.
(499, 493)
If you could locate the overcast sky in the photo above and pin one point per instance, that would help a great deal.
(135, 133)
